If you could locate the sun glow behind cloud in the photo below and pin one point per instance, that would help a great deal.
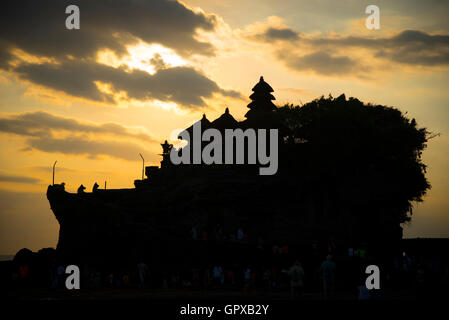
(140, 57)
(149, 58)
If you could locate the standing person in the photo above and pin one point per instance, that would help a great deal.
(125, 280)
(24, 272)
(296, 273)
(206, 279)
(60, 277)
(204, 234)
(240, 234)
(217, 276)
(194, 232)
(81, 189)
(142, 269)
(420, 280)
(328, 269)
(273, 278)
(363, 291)
(247, 279)
(266, 278)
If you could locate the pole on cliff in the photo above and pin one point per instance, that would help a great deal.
(54, 172)
(143, 164)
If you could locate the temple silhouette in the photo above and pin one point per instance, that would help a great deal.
(196, 215)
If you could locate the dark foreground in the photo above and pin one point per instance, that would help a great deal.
(43, 294)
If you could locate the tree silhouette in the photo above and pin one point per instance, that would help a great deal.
(371, 153)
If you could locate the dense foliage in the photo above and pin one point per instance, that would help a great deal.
(374, 149)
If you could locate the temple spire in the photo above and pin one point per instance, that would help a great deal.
(261, 100)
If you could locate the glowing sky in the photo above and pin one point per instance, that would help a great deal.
(95, 98)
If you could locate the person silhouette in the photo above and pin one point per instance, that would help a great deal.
(60, 186)
(81, 189)
(328, 269)
(142, 269)
(296, 273)
(95, 187)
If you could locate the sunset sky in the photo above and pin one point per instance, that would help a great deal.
(137, 71)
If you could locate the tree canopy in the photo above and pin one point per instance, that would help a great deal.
(373, 152)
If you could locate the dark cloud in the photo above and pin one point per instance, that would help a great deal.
(44, 132)
(418, 38)
(38, 27)
(20, 179)
(332, 55)
(321, 62)
(40, 123)
(272, 34)
(183, 85)
(404, 56)
(415, 48)
(49, 169)
(408, 47)
(92, 148)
